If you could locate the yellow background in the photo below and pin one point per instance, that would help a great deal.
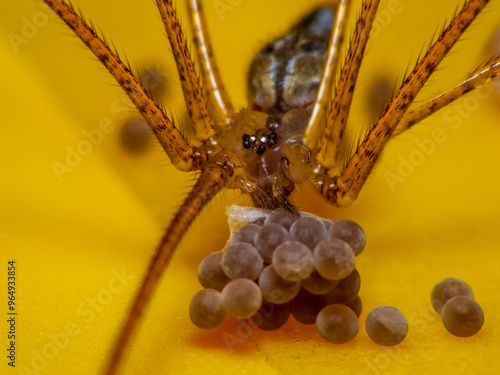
(71, 238)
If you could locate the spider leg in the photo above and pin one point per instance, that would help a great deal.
(214, 176)
(194, 95)
(335, 47)
(175, 145)
(343, 188)
(480, 76)
(217, 96)
(332, 136)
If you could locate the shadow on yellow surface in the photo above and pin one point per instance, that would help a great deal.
(82, 239)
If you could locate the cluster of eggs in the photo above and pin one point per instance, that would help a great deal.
(283, 265)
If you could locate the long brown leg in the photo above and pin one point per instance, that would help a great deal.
(217, 96)
(323, 97)
(343, 189)
(172, 141)
(213, 178)
(480, 76)
(332, 137)
(194, 96)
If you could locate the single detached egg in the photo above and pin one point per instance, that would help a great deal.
(462, 316)
(386, 326)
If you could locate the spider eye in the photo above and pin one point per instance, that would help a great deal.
(261, 149)
(272, 139)
(246, 141)
(273, 123)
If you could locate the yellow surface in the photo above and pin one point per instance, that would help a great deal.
(71, 238)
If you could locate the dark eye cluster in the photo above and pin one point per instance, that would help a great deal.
(248, 141)
(259, 144)
(264, 141)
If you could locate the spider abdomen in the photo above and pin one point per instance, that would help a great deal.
(286, 73)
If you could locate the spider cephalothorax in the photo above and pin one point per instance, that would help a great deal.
(283, 82)
(271, 154)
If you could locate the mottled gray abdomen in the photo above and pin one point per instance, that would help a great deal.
(286, 73)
